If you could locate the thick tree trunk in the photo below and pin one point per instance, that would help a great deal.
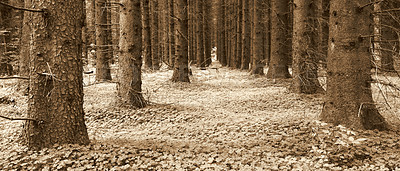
(56, 86)
(181, 68)
(349, 98)
(258, 58)
(278, 66)
(246, 36)
(155, 43)
(130, 60)
(306, 44)
(103, 71)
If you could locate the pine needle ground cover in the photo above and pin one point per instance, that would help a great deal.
(222, 120)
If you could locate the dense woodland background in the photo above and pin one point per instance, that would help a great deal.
(200, 84)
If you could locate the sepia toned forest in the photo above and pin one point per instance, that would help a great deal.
(199, 85)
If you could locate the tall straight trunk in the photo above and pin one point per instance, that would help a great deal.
(239, 35)
(146, 32)
(24, 57)
(56, 82)
(171, 33)
(325, 32)
(91, 29)
(155, 43)
(191, 30)
(103, 71)
(115, 27)
(246, 32)
(349, 99)
(306, 44)
(5, 23)
(200, 35)
(267, 32)
(278, 66)
(207, 31)
(258, 58)
(109, 41)
(231, 34)
(130, 57)
(164, 27)
(223, 53)
(181, 69)
(228, 33)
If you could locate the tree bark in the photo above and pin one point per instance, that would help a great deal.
(91, 29)
(200, 35)
(103, 72)
(24, 59)
(130, 60)
(349, 97)
(246, 36)
(155, 43)
(146, 33)
(207, 31)
(258, 58)
(56, 83)
(171, 34)
(278, 66)
(181, 68)
(306, 44)
(223, 52)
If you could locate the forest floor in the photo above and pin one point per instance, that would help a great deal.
(223, 120)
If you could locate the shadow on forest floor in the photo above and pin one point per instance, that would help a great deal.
(225, 119)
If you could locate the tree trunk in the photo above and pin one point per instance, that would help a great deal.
(200, 35)
(103, 72)
(239, 35)
(91, 29)
(258, 58)
(56, 86)
(115, 27)
(155, 43)
(306, 44)
(207, 31)
(5, 22)
(278, 66)
(24, 59)
(246, 36)
(145, 8)
(349, 97)
(181, 69)
(130, 60)
(171, 34)
(223, 53)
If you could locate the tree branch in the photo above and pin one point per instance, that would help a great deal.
(15, 119)
(14, 77)
(19, 8)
